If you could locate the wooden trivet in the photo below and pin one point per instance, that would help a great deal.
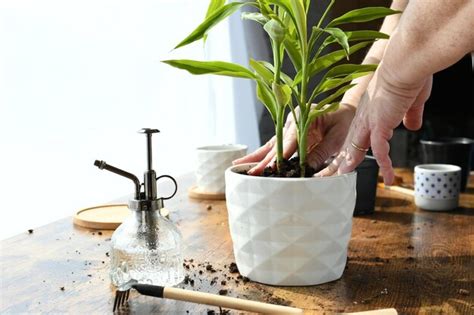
(197, 193)
(106, 217)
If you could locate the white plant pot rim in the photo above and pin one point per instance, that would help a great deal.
(233, 168)
(222, 147)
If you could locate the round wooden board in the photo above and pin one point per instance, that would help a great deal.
(196, 193)
(106, 217)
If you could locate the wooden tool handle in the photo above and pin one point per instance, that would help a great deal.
(398, 189)
(227, 302)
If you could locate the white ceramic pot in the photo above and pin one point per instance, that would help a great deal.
(212, 161)
(290, 231)
(437, 186)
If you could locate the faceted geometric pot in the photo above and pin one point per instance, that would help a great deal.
(212, 161)
(290, 231)
(367, 177)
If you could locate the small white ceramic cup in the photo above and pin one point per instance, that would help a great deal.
(212, 161)
(437, 186)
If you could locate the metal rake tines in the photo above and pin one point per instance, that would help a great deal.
(121, 298)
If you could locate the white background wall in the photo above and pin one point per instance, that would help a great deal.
(79, 78)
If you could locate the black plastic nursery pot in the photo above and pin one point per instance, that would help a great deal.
(456, 151)
(367, 177)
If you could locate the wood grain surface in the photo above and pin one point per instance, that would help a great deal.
(415, 261)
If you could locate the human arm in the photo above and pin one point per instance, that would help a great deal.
(374, 55)
(431, 36)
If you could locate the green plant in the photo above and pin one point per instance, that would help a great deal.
(285, 21)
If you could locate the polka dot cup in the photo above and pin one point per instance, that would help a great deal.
(437, 186)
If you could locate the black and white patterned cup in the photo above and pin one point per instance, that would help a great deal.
(437, 186)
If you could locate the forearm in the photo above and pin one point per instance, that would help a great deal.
(431, 36)
(374, 55)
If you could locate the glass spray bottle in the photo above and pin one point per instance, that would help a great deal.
(146, 247)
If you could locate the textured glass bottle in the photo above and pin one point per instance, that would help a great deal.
(148, 249)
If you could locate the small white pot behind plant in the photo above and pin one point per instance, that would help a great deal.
(290, 231)
(212, 161)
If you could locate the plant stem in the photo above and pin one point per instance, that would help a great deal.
(279, 136)
(277, 61)
(302, 138)
(325, 13)
(302, 144)
(280, 110)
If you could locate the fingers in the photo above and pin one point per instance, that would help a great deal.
(356, 144)
(266, 161)
(381, 149)
(258, 155)
(289, 147)
(357, 137)
(265, 155)
(324, 150)
(414, 117)
(332, 168)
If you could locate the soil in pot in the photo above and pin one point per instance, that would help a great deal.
(290, 168)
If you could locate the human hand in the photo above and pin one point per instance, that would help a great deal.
(385, 104)
(325, 137)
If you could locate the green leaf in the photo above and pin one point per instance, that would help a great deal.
(275, 30)
(345, 69)
(284, 77)
(324, 62)
(363, 15)
(292, 48)
(334, 95)
(212, 67)
(328, 60)
(286, 6)
(214, 5)
(264, 7)
(365, 35)
(340, 37)
(306, 5)
(332, 83)
(262, 70)
(282, 94)
(299, 12)
(211, 21)
(315, 113)
(315, 33)
(357, 36)
(254, 16)
(332, 79)
(265, 95)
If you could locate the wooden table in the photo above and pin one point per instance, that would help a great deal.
(416, 261)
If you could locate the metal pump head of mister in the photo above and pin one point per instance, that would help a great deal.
(149, 178)
(148, 199)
